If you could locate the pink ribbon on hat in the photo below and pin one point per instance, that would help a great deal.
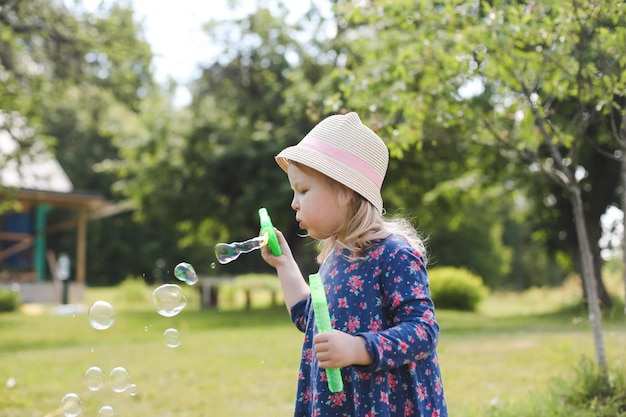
(346, 157)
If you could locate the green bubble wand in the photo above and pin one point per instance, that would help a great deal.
(322, 318)
(267, 229)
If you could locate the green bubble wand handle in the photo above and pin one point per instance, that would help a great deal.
(267, 228)
(322, 318)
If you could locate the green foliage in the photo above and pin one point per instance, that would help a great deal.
(39, 53)
(539, 85)
(209, 175)
(443, 187)
(466, 222)
(267, 281)
(589, 389)
(584, 392)
(532, 262)
(456, 289)
(9, 300)
(133, 290)
(250, 291)
(604, 395)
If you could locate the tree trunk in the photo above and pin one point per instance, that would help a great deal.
(595, 232)
(589, 280)
(603, 295)
(604, 177)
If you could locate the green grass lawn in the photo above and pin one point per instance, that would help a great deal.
(234, 362)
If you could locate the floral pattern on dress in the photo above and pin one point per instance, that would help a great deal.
(383, 297)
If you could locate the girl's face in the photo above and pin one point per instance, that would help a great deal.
(316, 202)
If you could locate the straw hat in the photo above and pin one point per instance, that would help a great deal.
(344, 149)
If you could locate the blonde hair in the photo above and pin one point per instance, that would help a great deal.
(365, 224)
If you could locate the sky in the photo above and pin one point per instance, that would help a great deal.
(174, 31)
(176, 37)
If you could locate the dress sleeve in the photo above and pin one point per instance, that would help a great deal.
(413, 332)
(300, 313)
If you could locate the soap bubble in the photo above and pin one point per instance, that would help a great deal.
(107, 411)
(169, 300)
(93, 378)
(119, 378)
(228, 252)
(101, 315)
(171, 337)
(132, 390)
(71, 405)
(213, 265)
(186, 273)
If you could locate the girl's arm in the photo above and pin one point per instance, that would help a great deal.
(415, 331)
(292, 281)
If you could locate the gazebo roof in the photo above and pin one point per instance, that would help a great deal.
(71, 200)
(36, 176)
(34, 168)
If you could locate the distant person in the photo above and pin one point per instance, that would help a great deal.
(374, 272)
(63, 266)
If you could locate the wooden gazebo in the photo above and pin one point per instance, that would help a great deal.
(35, 206)
(31, 186)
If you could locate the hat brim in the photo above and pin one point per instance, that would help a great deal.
(331, 167)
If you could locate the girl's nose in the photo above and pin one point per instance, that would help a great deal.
(294, 204)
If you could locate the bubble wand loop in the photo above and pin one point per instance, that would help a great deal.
(322, 318)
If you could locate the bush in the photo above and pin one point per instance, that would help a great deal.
(133, 290)
(585, 393)
(456, 289)
(9, 300)
(601, 395)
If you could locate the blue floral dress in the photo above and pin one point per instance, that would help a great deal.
(384, 298)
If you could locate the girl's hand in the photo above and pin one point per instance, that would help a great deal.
(337, 349)
(283, 258)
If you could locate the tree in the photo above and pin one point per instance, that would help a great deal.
(442, 189)
(210, 176)
(528, 79)
(83, 80)
(39, 55)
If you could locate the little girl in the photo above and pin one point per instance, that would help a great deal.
(374, 272)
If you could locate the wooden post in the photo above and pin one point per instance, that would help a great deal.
(81, 246)
(41, 214)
